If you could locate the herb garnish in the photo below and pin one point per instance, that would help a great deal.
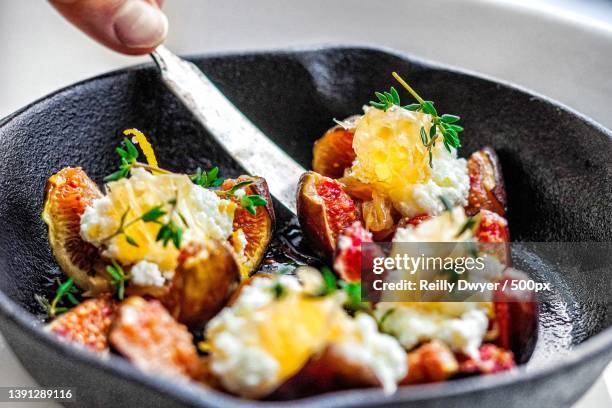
(207, 179)
(353, 302)
(169, 231)
(248, 202)
(129, 156)
(445, 125)
(65, 291)
(118, 278)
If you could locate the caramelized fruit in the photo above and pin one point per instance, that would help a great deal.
(328, 371)
(348, 255)
(487, 189)
(146, 334)
(324, 211)
(257, 228)
(68, 193)
(206, 276)
(432, 362)
(87, 324)
(334, 151)
(516, 316)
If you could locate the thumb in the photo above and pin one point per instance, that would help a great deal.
(127, 26)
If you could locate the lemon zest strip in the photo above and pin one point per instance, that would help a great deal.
(144, 144)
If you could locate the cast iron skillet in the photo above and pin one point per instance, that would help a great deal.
(557, 166)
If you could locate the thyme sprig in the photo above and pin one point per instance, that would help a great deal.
(248, 202)
(118, 278)
(169, 231)
(66, 291)
(331, 284)
(441, 125)
(129, 156)
(208, 178)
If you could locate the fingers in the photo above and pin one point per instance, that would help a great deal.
(127, 26)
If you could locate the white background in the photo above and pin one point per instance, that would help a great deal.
(559, 48)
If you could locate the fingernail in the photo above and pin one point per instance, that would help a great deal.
(140, 25)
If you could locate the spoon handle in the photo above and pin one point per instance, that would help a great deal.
(248, 145)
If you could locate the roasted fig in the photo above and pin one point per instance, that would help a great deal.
(492, 359)
(256, 229)
(349, 255)
(493, 235)
(487, 189)
(68, 193)
(432, 362)
(328, 371)
(206, 277)
(324, 211)
(87, 324)
(146, 334)
(334, 151)
(516, 316)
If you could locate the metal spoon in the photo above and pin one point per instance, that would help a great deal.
(248, 145)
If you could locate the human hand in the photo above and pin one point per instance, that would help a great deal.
(127, 26)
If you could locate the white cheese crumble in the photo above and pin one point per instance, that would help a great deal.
(147, 274)
(412, 325)
(449, 178)
(364, 344)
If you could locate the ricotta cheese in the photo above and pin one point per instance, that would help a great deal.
(411, 324)
(361, 342)
(147, 274)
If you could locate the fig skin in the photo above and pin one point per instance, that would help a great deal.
(328, 371)
(333, 152)
(322, 220)
(257, 228)
(87, 324)
(68, 193)
(493, 359)
(516, 317)
(204, 280)
(146, 334)
(487, 190)
(432, 362)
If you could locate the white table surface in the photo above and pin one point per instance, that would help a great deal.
(559, 48)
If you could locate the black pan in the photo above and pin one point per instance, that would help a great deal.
(557, 166)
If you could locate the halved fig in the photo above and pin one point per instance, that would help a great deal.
(333, 152)
(492, 359)
(68, 193)
(257, 229)
(205, 278)
(432, 362)
(328, 371)
(487, 189)
(516, 315)
(324, 211)
(414, 221)
(87, 324)
(146, 334)
(493, 235)
(350, 256)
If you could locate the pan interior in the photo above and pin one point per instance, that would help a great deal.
(557, 167)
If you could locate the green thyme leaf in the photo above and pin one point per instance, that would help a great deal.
(153, 214)
(446, 118)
